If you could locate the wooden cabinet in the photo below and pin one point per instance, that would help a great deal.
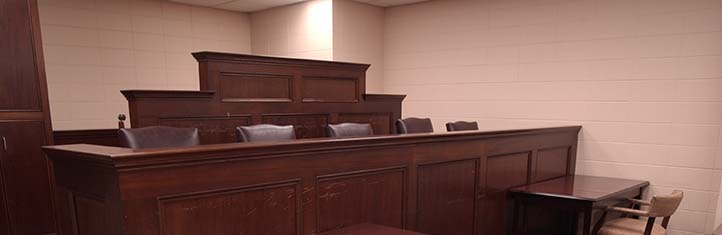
(25, 176)
(18, 73)
(4, 219)
(26, 206)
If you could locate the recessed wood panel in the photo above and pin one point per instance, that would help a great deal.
(306, 126)
(250, 87)
(506, 171)
(380, 122)
(330, 89)
(551, 163)
(502, 172)
(89, 215)
(4, 216)
(24, 169)
(447, 189)
(19, 84)
(375, 197)
(211, 129)
(495, 213)
(263, 209)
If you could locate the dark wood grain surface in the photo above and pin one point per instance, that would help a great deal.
(107, 137)
(25, 190)
(370, 229)
(238, 89)
(581, 187)
(571, 204)
(436, 183)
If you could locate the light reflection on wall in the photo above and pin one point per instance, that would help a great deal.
(303, 30)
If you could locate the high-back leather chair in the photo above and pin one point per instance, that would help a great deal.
(462, 126)
(660, 206)
(414, 125)
(265, 132)
(349, 130)
(158, 137)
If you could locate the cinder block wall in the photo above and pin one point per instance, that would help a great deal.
(644, 77)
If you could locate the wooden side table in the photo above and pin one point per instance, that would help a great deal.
(576, 194)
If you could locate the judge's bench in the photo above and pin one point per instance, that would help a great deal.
(435, 183)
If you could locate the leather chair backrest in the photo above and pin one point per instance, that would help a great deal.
(414, 125)
(158, 137)
(349, 130)
(462, 126)
(265, 132)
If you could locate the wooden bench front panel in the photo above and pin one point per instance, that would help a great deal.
(437, 184)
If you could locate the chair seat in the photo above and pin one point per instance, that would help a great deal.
(628, 226)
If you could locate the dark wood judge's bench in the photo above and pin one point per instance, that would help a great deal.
(443, 183)
(435, 183)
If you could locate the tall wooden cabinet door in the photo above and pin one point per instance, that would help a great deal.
(19, 84)
(25, 173)
(4, 219)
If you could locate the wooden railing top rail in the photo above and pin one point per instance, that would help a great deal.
(125, 157)
(286, 61)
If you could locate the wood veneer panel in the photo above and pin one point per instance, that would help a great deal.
(330, 89)
(305, 125)
(210, 129)
(255, 87)
(446, 181)
(375, 196)
(263, 86)
(506, 171)
(447, 188)
(263, 209)
(551, 163)
(24, 123)
(25, 173)
(89, 214)
(502, 173)
(4, 213)
(107, 137)
(19, 86)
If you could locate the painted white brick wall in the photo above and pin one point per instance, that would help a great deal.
(302, 30)
(644, 78)
(358, 36)
(340, 30)
(93, 49)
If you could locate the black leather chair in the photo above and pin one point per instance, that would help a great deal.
(158, 137)
(349, 130)
(265, 132)
(414, 125)
(462, 126)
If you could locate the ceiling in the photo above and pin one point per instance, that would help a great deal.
(390, 3)
(257, 5)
